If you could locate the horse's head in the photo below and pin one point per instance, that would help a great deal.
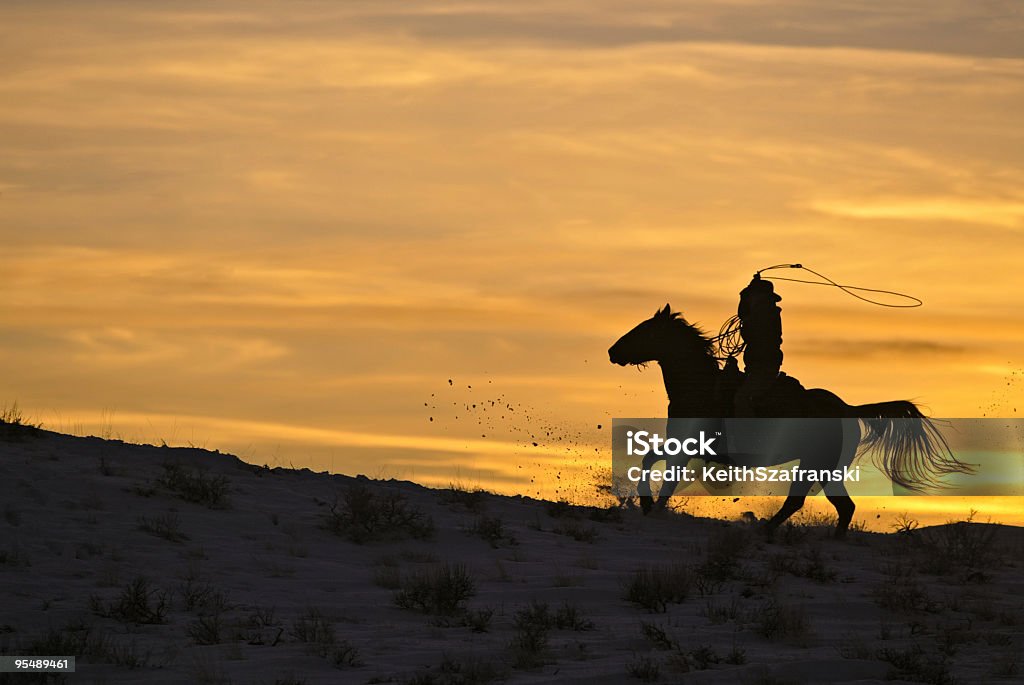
(648, 341)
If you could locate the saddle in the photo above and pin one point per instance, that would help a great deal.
(785, 399)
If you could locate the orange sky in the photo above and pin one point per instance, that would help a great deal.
(278, 228)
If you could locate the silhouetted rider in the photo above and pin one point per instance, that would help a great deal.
(761, 329)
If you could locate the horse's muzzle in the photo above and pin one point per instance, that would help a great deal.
(615, 358)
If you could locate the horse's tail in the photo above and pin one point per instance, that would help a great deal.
(913, 453)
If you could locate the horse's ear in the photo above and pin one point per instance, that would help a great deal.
(667, 310)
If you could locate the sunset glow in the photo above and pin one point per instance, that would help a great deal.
(321, 238)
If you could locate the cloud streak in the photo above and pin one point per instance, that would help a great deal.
(316, 214)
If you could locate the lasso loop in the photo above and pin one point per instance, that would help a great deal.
(729, 343)
(910, 300)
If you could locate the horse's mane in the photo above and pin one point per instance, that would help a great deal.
(695, 336)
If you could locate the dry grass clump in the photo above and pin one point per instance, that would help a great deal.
(960, 544)
(492, 530)
(533, 625)
(195, 485)
(14, 427)
(317, 632)
(900, 589)
(965, 548)
(727, 549)
(361, 515)
(644, 668)
(655, 587)
(87, 645)
(139, 603)
(459, 496)
(577, 530)
(776, 621)
(454, 671)
(442, 590)
(808, 563)
(914, 664)
(166, 526)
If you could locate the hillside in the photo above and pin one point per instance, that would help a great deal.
(167, 565)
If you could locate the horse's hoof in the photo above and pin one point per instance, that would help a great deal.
(645, 505)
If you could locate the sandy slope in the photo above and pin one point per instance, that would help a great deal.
(799, 608)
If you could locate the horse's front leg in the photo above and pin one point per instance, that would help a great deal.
(669, 486)
(643, 486)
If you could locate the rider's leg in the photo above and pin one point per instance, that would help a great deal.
(756, 384)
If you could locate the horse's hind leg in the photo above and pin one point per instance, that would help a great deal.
(845, 507)
(797, 494)
(792, 505)
(836, 492)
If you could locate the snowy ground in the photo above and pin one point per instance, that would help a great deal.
(283, 576)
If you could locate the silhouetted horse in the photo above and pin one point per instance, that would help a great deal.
(913, 453)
